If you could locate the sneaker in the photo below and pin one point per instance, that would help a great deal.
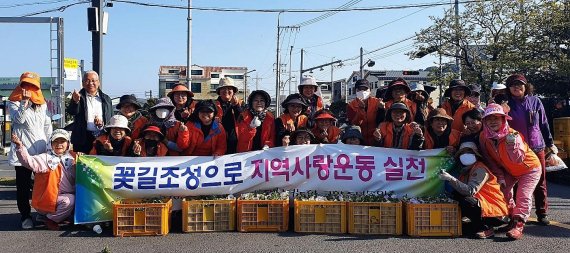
(543, 219)
(41, 218)
(27, 223)
(516, 231)
(484, 234)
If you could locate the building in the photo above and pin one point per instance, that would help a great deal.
(205, 79)
(339, 90)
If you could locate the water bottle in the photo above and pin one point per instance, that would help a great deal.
(97, 229)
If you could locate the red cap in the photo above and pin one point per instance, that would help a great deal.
(153, 129)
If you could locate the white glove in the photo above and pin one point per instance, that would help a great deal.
(511, 138)
(255, 122)
(443, 175)
(554, 149)
(265, 147)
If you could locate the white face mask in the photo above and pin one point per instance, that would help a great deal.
(467, 159)
(363, 94)
(162, 113)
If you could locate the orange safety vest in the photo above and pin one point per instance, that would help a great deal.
(138, 126)
(220, 113)
(162, 150)
(333, 133)
(458, 116)
(387, 132)
(182, 139)
(500, 154)
(409, 103)
(365, 119)
(245, 134)
(490, 196)
(454, 138)
(46, 189)
(213, 144)
(105, 137)
(287, 120)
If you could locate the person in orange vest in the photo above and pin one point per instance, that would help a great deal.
(439, 133)
(207, 135)
(293, 117)
(457, 104)
(325, 131)
(183, 99)
(115, 141)
(150, 145)
(473, 126)
(352, 136)
(365, 111)
(175, 132)
(303, 136)
(398, 131)
(229, 108)
(518, 165)
(308, 90)
(420, 95)
(256, 125)
(54, 184)
(129, 107)
(397, 92)
(477, 191)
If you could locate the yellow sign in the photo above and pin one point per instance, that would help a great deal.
(70, 63)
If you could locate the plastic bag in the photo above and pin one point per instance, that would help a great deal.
(554, 163)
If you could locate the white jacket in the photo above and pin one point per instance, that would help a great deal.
(33, 127)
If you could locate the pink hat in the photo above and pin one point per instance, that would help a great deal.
(495, 109)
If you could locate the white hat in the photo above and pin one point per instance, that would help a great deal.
(308, 80)
(227, 82)
(498, 86)
(59, 133)
(118, 121)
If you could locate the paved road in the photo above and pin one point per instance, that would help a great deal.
(5, 169)
(77, 239)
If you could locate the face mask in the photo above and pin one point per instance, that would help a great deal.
(150, 143)
(162, 113)
(363, 94)
(467, 159)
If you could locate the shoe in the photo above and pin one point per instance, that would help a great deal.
(41, 218)
(484, 234)
(543, 219)
(516, 231)
(52, 225)
(27, 223)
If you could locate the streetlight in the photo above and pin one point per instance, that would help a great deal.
(245, 83)
(369, 63)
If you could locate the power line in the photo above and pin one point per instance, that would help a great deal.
(61, 8)
(34, 3)
(221, 9)
(329, 14)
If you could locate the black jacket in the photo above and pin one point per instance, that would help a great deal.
(80, 138)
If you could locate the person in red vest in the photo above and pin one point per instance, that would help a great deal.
(457, 104)
(515, 163)
(207, 135)
(256, 125)
(229, 108)
(365, 111)
(398, 91)
(114, 142)
(183, 99)
(477, 191)
(420, 95)
(398, 131)
(176, 135)
(150, 145)
(293, 117)
(308, 91)
(439, 134)
(129, 107)
(54, 184)
(325, 131)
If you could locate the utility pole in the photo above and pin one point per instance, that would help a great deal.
(332, 81)
(257, 78)
(290, 54)
(458, 50)
(189, 44)
(97, 40)
(278, 64)
(361, 64)
(301, 67)
(148, 94)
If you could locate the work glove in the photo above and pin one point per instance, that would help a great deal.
(255, 122)
(443, 175)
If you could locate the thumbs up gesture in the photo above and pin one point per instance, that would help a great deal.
(75, 96)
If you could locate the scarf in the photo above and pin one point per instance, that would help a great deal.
(53, 160)
(165, 123)
(490, 134)
(132, 120)
(260, 115)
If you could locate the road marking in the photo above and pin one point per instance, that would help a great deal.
(553, 223)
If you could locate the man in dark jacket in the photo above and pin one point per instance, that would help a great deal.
(91, 110)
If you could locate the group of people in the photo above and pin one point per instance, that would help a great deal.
(498, 146)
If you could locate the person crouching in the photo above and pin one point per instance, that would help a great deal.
(54, 185)
(150, 145)
(115, 141)
(303, 136)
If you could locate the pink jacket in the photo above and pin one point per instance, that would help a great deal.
(41, 164)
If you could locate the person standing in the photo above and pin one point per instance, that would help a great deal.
(32, 125)
(129, 107)
(229, 107)
(457, 104)
(365, 111)
(308, 91)
(183, 100)
(91, 110)
(256, 125)
(529, 119)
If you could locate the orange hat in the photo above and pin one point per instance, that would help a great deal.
(34, 80)
(182, 88)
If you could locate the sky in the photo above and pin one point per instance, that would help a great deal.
(140, 39)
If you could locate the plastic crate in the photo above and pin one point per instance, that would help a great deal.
(374, 218)
(433, 219)
(320, 217)
(133, 218)
(263, 215)
(208, 215)
(561, 127)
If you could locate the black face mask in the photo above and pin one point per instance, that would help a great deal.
(150, 143)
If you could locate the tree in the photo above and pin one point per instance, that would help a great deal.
(498, 38)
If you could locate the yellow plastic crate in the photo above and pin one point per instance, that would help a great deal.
(263, 215)
(433, 219)
(133, 218)
(373, 218)
(320, 217)
(208, 215)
